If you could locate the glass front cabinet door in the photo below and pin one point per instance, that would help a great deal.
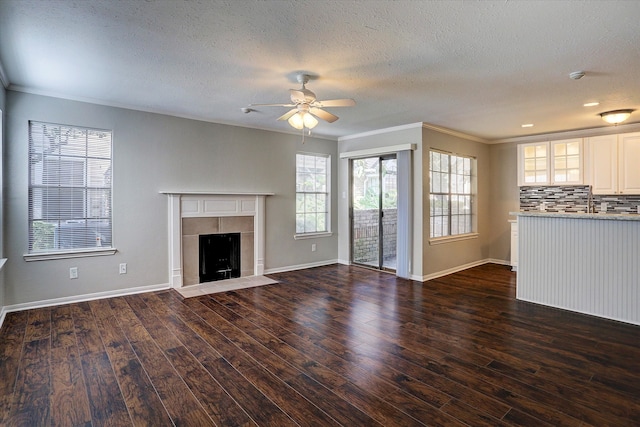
(550, 163)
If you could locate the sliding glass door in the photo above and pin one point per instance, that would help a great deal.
(374, 211)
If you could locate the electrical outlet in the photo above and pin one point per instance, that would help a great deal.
(313, 247)
(123, 268)
(73, 273)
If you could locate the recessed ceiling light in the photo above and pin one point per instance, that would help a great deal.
(590, 104)
(527, 125)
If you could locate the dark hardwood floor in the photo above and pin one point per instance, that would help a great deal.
(333, 345)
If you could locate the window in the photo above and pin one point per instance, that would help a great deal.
(452, 183)
(69, 189)
(312, 193)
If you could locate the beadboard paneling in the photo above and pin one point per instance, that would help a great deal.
(583, 265)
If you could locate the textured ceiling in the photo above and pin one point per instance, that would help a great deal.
(478, 67)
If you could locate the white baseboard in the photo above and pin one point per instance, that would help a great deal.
(141, 289)
(585, 312)
(3, 313)
(448, 271)
(459, 268)
(129, 291)
(80, 298)
(497, 261)
(300, 266)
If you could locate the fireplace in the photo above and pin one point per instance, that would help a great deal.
(219, 256)
(192, 214)
(193, 229)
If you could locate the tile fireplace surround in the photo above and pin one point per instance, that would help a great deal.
(210, 205)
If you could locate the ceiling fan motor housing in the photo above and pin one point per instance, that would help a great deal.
(302, 96)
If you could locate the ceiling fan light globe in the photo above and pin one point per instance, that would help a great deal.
(296, 121)
(309, 121)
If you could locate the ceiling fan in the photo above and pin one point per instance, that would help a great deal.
(305, 106)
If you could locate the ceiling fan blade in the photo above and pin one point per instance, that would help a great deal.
(348, 102)
(288, 114)
(271, 105)
(324, 115)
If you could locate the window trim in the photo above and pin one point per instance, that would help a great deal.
(473, 196)
(2, 211)
(455, 238)
(67, 254)
(302, 236)
(315, 234)
(53, 254)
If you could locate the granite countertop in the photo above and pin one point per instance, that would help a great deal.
(575, 215)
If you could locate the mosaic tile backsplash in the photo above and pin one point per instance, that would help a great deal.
(575, 198)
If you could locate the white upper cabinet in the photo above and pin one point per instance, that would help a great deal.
(602, 169)
(533, 164)
(551, 163)
(629, 163)
(566, 164)
(614, 163)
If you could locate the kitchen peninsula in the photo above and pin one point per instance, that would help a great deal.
(588, 263)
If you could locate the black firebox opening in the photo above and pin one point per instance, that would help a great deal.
(219, 256)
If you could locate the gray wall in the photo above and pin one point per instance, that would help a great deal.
(3, 95)
(154, 152)
(441, 257)
(151, 153)
(432, 259)
(504, 198)
(411, 135)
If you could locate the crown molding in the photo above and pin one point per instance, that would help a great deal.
(94, 101)
(422, 125)
(377, 151)
(3, 77)
(579, 133)
(455, 133)
(380, 131)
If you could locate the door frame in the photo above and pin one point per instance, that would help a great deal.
(380, 266)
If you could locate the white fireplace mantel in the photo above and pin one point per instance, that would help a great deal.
(199, 204)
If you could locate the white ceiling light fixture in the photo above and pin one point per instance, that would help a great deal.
(616, 116)
(591, 104)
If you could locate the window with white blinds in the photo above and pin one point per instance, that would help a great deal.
(69, 188)
(452, 192)
(312, 193)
